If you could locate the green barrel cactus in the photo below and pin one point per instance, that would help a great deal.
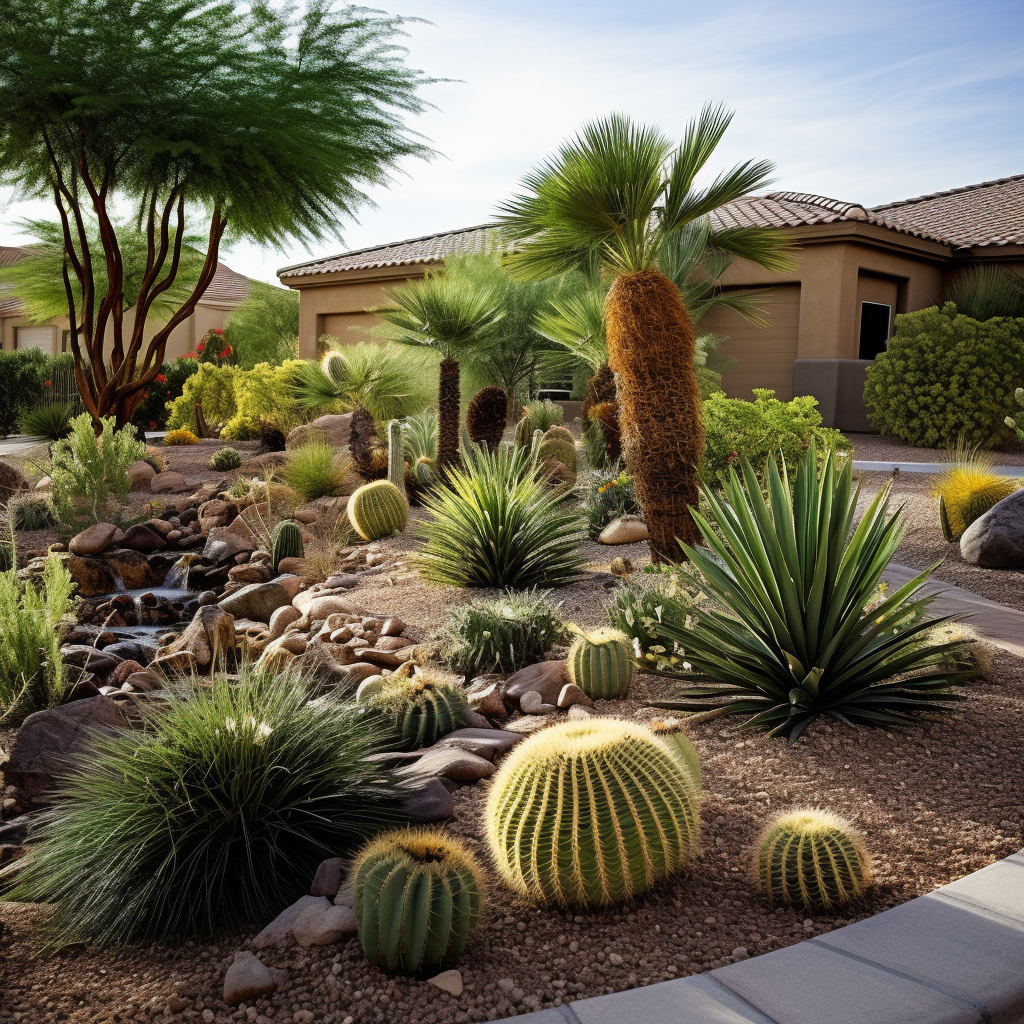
(378, 509)
(396, 456)
(812, 858)
(670, 730)
(524, 433)
(601, 664)
(591, 812)
(285, 542)
(418, 898)
(422, 709)
(425, 471)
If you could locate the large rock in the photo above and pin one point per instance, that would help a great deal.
(224, 543)
(431, 801)
(247, 980)
(92, 576)
(166, 483)
(279, 932)
(449, 763)
(133, 569)
(996, 539)
(625, 530)
(314, 606)
(210, 634)
(334, 428)
(546, 678)
(141, 473)
(257, 601)
(49, 741)
(93, 539)
(143, 538)
(489, 743)
(322, 924)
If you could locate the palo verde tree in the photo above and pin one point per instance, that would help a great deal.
(613, 200)
(184, 118)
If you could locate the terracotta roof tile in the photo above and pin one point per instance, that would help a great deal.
(227, 286)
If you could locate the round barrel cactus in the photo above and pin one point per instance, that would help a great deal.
(591, 812)
(418, 898)
(378, 509)
(671, 731)
(285, 542)
(422, 709)
(601, 663)
(812, 858)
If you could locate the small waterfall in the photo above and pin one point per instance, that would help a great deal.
(177, 575)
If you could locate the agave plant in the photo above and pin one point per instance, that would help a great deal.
(803, 631)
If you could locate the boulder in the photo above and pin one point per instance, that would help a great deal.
(313, 606)
(292, 583)
(431, 801)
(334, 428)
(250, 572)
(257, 601)
(449, 763)
(143, 538)
(328, 877)
(996, 539)
(210, 634)
(48, 741)
(247, 980)
(571, 694)
(532, 703)
(141, 474)
(223, 544)
(93, 539)
(546, 678)
(323, 923)
(134, 569)
(92, 576)
(282, 619)
(167, 483)
(279, 932)
(625, 530)
(89, 658)
(489, 743)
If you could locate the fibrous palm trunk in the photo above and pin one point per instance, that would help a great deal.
(651, 348)
(449, 407)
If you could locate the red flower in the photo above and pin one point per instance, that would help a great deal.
(226, 352)
(152, 424)
(200, 347)
(189, 355)
(145, 395)
(218, 332)
(47, 383)
(161, 379)
(733, 456)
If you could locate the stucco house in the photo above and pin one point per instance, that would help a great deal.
(226, 291)
(858, 267)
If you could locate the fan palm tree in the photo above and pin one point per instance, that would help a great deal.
(614, 200)
(450, 314)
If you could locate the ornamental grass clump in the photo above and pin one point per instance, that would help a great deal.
(214, 814)
(495, 525)
(968, 489)
(500, 635)
(796, 629)
(316, 470)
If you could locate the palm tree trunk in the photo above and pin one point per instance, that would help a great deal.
(449, 410)
(651, 348)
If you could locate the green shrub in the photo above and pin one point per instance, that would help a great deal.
(760, 430)
(179, 438)
(21, 375)
(606, 497)
(152, 413)
(89, 474)
(48, 421)
(500, 635)
(264, 394)
(495, 525)
(31, 670)
(264, 327)
(947, 378)
(987, 291)
(543, 415)
(31, 510)
(225, 459)
(214, 387)
(214, 815)
(315, 470)
(795, 629)
(419, 436)
(655, 599)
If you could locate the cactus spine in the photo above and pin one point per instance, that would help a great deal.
(418, 898)
(285, 542)
(601, 664)
(671, 731)
(591, 812)
(396, 456)
(812, 858)
(422, 709)
(378, 509)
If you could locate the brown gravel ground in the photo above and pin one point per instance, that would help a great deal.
(935, 802)
(876, 448)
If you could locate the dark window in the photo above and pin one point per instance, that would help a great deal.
(875, 318)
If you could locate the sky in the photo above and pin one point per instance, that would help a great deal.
(865, 101)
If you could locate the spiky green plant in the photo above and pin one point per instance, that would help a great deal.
(225, 459)
(543, 415)
(316, 470)
(378, 509)
(500, 635)
(601, 663)
(48, 422)
(591, 812)
(813, 859)
(285, 542)
(396, 455)
(31, 511)
(422, 709)
(654, 599)
(425, 471)
(495, 525)
(419, 894)
(419, 436)
(671, 731)
(800, 632)
(213, 815)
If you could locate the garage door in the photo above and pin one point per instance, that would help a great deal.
(34, 337)
(762, 356)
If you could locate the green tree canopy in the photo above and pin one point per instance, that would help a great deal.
(260, 121)
(264, 327)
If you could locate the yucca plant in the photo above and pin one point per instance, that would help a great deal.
(495, 525)
(213, 815)
(801, 632)
(48, 422)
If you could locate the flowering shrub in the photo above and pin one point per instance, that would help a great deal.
(167, 386)
(606, 498)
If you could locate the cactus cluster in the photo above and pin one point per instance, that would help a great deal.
(285, 542)
(524, 433)
(422, 709)
(225, 459)
(601, 663)
(812, 858)
(418, 896)
(486, 416)
(591, 812)
(378, 509)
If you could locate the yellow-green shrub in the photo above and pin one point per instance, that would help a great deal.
(263, 393)
(180, 436)
(214, 387)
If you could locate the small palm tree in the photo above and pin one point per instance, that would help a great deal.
(614, 200)
(450, 314)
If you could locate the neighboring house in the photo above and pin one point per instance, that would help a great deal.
(226, 291)
(858, 268)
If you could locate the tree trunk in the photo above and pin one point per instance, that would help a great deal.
(651, 349)
(449, 410)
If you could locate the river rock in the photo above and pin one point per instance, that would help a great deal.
(92, 576)
(247, 979)
(449, 763)
(143, 538)
(546, 678)
(328, 877)
(430, 801)
(223, 544)
(448, 981)
(335, 428)
(141, 474)
(48, 741)
(996, 539)
(210, 634)
(257, 601)
(93, 539)
(281, 619)
(89, 658)
(323, 924)
(134, 569)
(279, 932)
(625, 530)
(489, 743)
(166, 483)
(315, 606)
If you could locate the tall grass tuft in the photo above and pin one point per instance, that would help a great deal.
(31, 671)
(316, 470)
(214, 815)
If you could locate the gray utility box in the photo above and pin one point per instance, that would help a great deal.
(838, 385)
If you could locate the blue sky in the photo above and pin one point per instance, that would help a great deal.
(865, 101)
